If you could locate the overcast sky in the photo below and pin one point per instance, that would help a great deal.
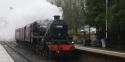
(18, 13)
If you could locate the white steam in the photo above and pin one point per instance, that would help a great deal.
(23, 12)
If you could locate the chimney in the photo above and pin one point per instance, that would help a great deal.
(57, 17)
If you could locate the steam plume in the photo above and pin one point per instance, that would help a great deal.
(24, 12)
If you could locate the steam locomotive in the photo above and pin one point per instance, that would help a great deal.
(48, 39)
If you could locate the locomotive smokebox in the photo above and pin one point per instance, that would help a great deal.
(57, 17)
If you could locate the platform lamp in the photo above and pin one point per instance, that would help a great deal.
(106, 20)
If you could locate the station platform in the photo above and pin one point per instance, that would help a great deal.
(100, 51)
(4, 56)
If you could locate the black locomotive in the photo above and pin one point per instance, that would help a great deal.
(46, 38)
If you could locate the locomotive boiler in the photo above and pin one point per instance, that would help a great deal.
(50, 38)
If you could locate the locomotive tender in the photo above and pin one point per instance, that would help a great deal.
(50, 38)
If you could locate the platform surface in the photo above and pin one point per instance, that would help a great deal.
(4, 56)
(100, 51)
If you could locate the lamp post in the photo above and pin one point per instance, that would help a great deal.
(106, 19)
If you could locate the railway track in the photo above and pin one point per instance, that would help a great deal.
(17, 51)
(31, 56)
(84, 55)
